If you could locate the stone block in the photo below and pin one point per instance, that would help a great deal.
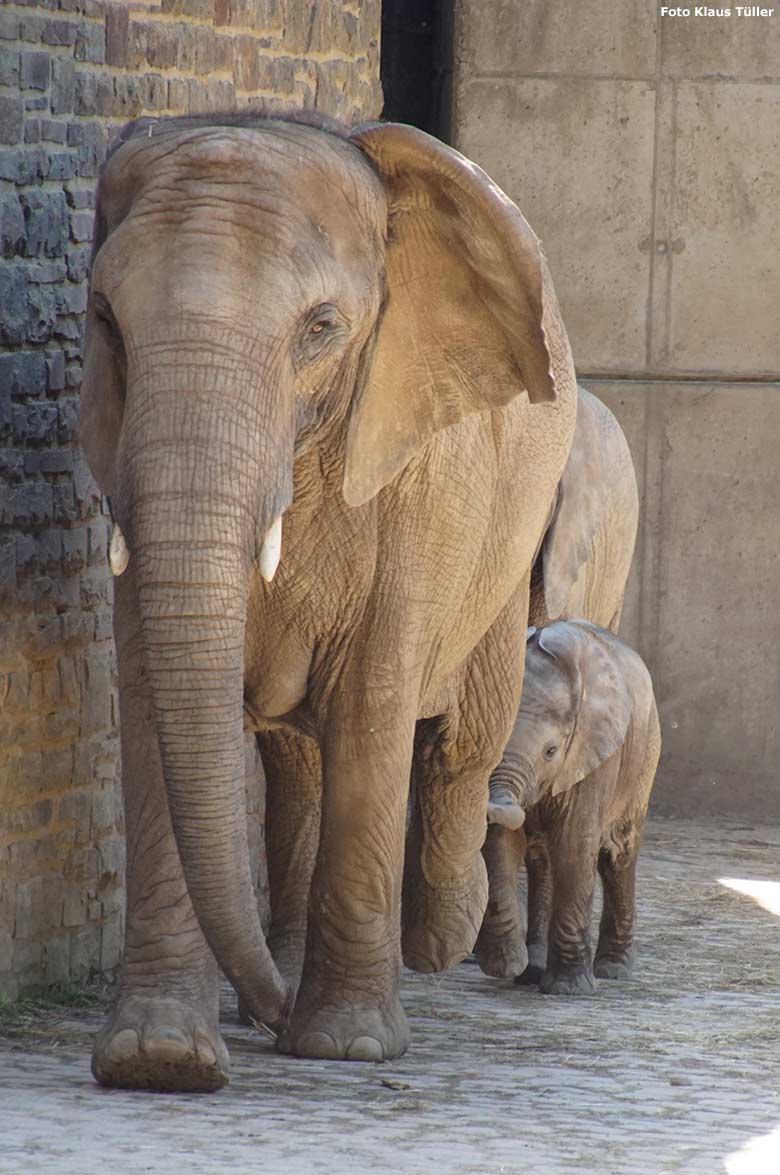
(34, 74)
(59, 32)
(117, 22)
(13, 236)
(62, 166)
(11, 118)
(78, 262)
(536, 37)
(580, 168)
(7, 575)
(35, 422)
(63, 85)
(46, 217)
(720, 273)
(94, 94)
(161, 45)
(42, 316)
(23, 165)
(9, 67)
(13, 299)
(81, 225)
(91, 43)
(9, 26)
(29, 504)
(55, 368)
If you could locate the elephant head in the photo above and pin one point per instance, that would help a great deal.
(573, 715)
(260, 285)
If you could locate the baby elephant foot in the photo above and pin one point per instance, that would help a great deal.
(349, 1034)
(577, 980)
(606, 968)
(532, 975)
(537, 964)
(162, 1044)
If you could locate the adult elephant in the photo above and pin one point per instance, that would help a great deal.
(329, 394)
(580, 571)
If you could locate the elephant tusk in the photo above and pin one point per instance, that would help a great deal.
(118, 554)
(271, 550)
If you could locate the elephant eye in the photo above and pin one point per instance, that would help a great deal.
(551, 750)
(323, 326)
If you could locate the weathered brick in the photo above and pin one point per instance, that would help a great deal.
(74, 373)
(94, 94)
(59, 32)
(31, 28)
(161, 45)
(81, 225)
(9, 67)
(67, 419)
(35, 71)
(46, 217)
(11, 118)
(63, 85)
(13, 236)
(42, 313)
(24, 165)
(23, 373)
(62, 165)
(9, 26)
(78, 262)
(47, 271)
(14, 300)
(30, 504)
(117, 22)
(35, 422)
(54, 130)
(55, 368)
(7, 572)
(91, 43)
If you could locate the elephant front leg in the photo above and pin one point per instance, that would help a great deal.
(540, 896)
(445, 879)
(162, 1033)
(573, 855)
(348, 1004)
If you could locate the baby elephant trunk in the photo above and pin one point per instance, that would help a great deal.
(509, 790)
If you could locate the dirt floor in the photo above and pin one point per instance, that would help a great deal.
(676, 1070)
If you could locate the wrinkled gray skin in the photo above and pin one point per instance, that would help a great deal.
(580, 570)
(356, 331)
(576, 774)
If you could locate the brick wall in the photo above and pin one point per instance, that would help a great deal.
(71, 73)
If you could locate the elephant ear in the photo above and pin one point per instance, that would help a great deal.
(582, 508)
(471, 319)
(101, 405)
(587, 654)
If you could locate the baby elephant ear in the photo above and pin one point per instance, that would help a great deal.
(600, 693)
(471, 319)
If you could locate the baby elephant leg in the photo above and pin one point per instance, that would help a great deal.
(617, 866)
(573, 861)
(537, 863)
(500, 948)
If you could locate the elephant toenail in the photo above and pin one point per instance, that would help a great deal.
(317, 1044)
(206, 1053)
(166, 1042)
(123, 1045)
(365, 1048)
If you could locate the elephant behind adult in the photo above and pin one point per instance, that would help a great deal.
(581, 571)
(355, 331)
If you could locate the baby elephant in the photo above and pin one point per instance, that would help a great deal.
(575, 783)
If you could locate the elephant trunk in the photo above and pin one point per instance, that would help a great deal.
(510, 791)
(195, 512)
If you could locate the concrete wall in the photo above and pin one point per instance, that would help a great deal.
(71, 73)
(646, 154)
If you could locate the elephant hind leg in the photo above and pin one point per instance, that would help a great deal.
(614, 952)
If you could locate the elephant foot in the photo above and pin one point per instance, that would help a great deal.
(160, 1043)
(577, 980)
(604, 968)
(502, 956)
(441, 925)
(349, 1034)
(532, 975)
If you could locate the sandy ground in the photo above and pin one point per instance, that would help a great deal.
(674, 1071)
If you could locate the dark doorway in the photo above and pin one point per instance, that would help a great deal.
(416, 63)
